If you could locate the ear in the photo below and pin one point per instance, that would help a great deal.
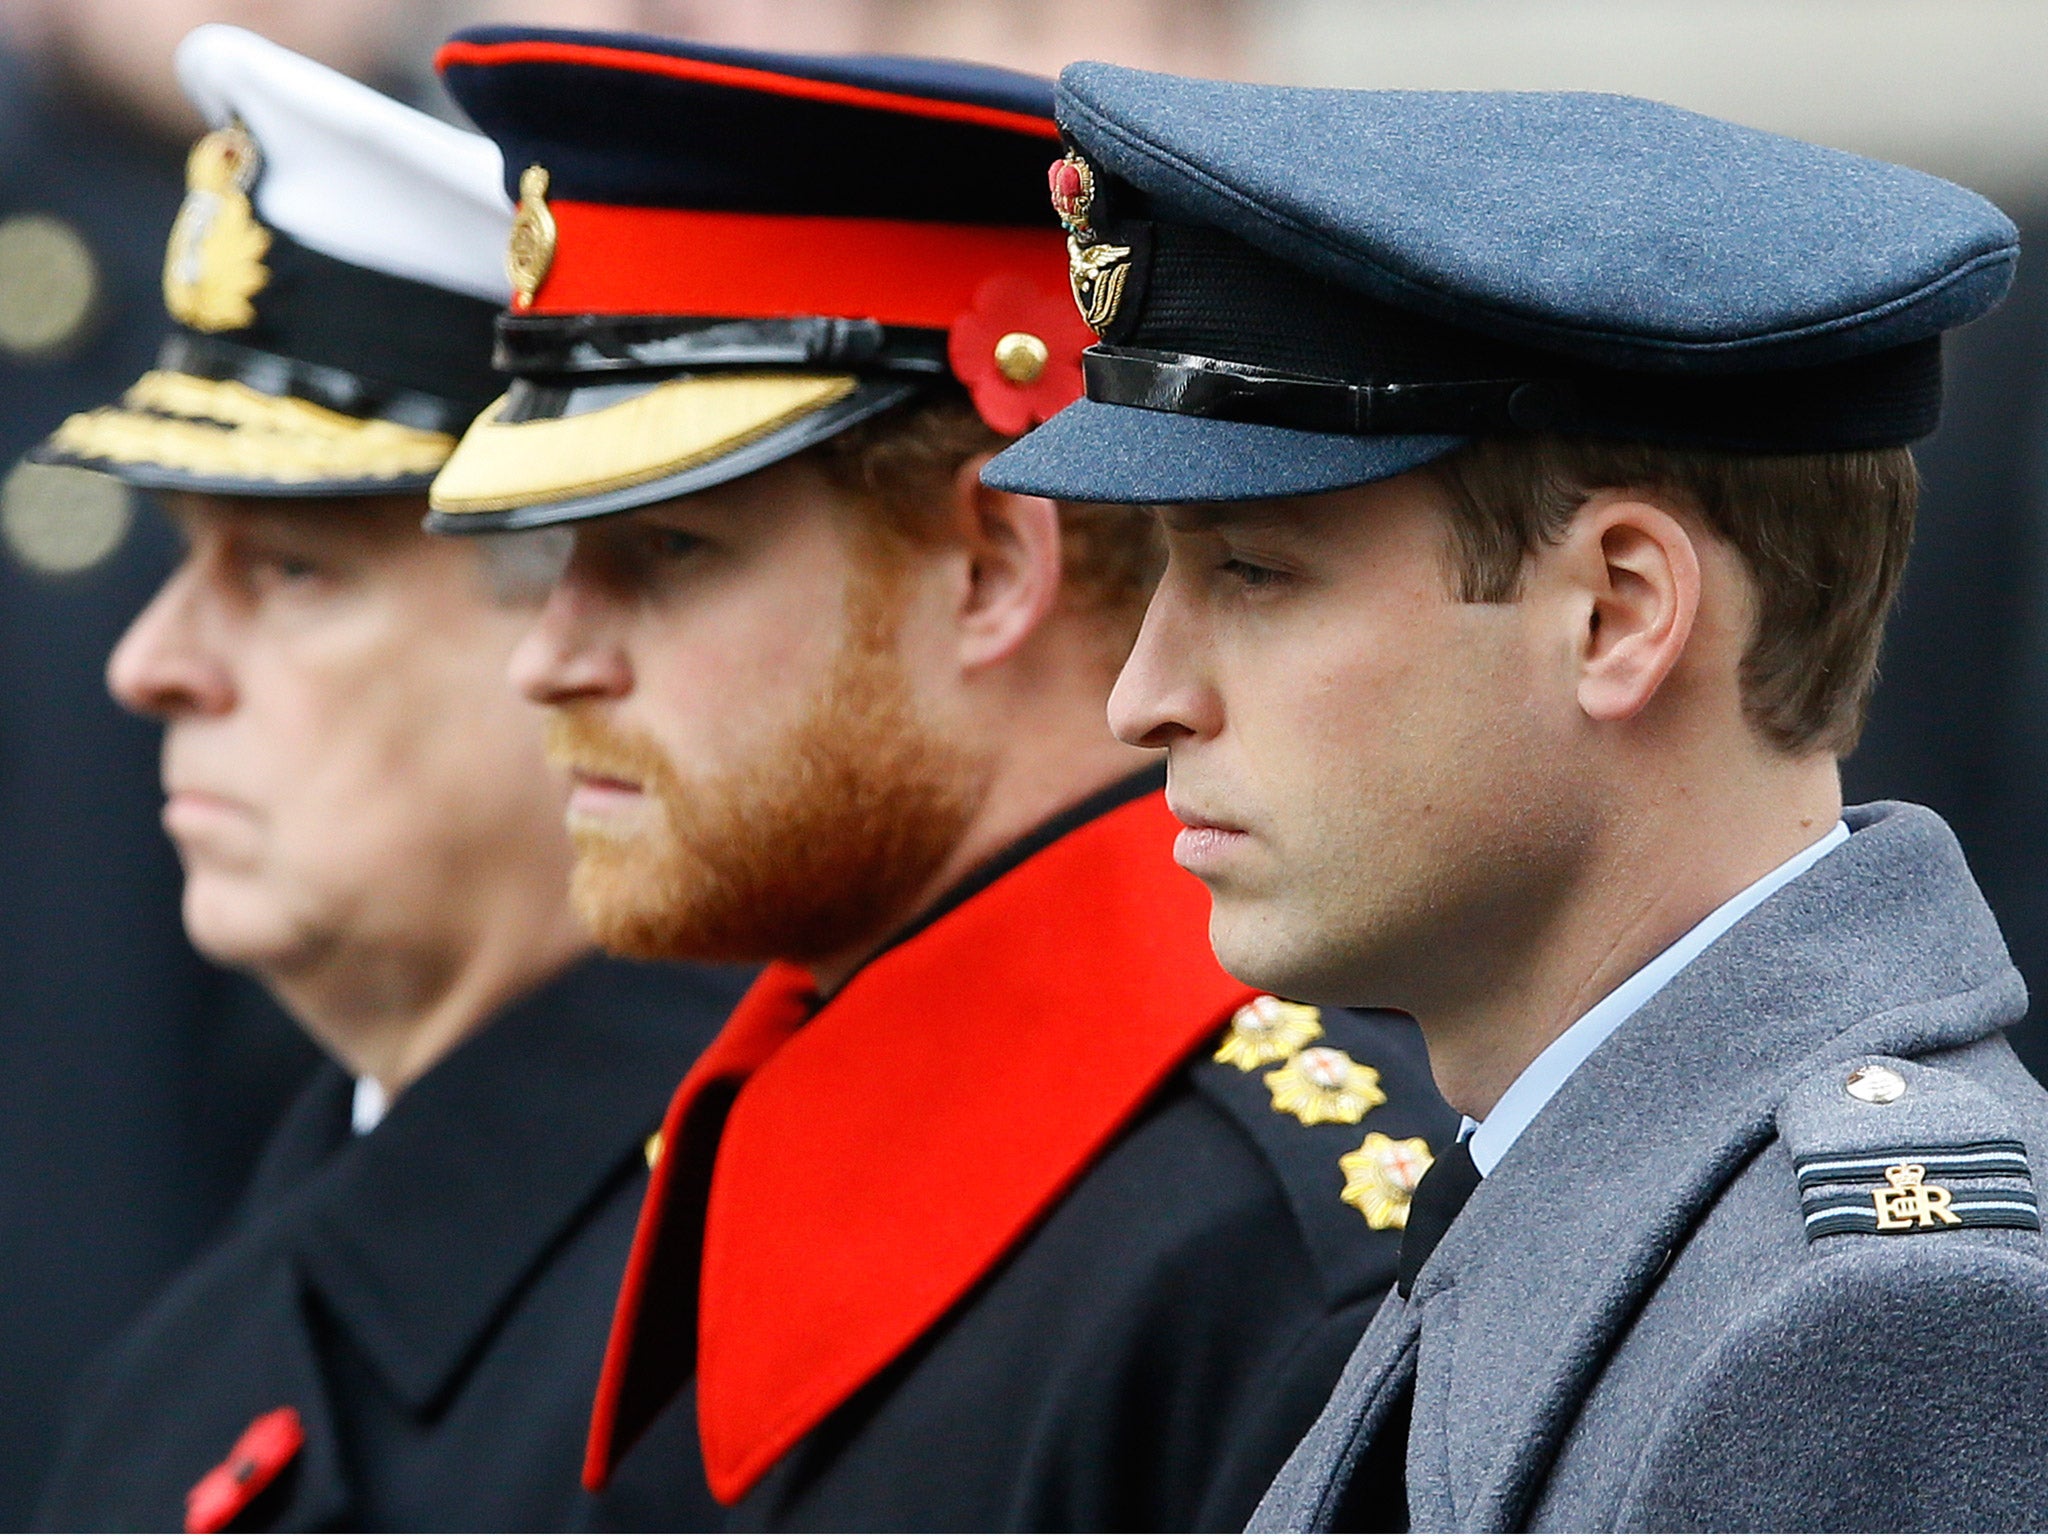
(1013, 575)
(1637, 570)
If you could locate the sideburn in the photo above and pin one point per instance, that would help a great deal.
(818, 845)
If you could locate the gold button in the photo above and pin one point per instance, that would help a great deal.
(49, 283)
(1021, 357)
(652, 1149)
(60, 520)
(1875, 1085)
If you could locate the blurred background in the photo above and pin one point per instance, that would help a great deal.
(136, 1082)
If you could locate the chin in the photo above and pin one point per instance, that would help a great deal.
(237, 927)
(1251, 943)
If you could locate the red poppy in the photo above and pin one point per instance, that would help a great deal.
(1018, 348)
(269, 1445)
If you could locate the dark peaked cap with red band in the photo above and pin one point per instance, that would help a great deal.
(1299, 290)
(722, 258)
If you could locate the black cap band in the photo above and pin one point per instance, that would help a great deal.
(1883, 400)
(209, 357)
(1207, 386)
(1209, 326)
(394, 335)
(571, 345)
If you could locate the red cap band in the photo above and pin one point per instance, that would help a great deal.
(612, 260)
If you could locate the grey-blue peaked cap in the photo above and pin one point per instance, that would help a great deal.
(1662, 275)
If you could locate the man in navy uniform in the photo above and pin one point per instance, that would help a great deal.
(1535, 478)
(403, 1330)
(997, 1205)
(133, 1075)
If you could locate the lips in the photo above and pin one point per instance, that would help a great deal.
(1195, 821)
(1204, 844)
(604, 783)
(201, 802)
(604, 799)
(199, 819)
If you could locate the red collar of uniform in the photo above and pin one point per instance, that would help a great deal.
(886, 1158)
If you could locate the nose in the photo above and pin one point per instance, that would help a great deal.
(1161, 697)
(165, 665)
(572, 654)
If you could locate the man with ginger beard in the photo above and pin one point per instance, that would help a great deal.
(403, 1328)
(846, 811)
(997, 1205)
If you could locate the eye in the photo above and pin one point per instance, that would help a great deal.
(294, 567)
(674, 543)
(1250, 574)
(276, 567)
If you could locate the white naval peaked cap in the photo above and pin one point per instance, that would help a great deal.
(352, 174)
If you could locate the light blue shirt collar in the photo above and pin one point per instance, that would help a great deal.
(1537, 1086)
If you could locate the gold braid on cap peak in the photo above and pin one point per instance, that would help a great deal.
(215, 427)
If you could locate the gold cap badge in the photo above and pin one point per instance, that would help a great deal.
(531, 250)
(1097, 272)
(1267, 1030)
(214, 267)
(1380, 1178)
(1323, 1085)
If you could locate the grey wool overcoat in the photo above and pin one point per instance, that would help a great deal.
(1770, 1260)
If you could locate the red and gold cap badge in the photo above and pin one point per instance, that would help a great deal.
(1096, 270)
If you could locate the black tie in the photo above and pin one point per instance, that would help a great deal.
(1439, 1196)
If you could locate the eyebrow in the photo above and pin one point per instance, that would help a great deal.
(1209, 516)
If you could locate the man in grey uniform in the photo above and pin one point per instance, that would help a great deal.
(1535, 478)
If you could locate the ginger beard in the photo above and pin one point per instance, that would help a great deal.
(817, 843)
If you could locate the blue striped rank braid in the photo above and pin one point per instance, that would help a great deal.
(1903, 1190)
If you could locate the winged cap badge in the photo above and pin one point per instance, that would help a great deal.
(213, 266)
(1097, 271)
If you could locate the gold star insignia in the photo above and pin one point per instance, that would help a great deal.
(1380, 1178)
(1267, 1030)
(1323, 1085)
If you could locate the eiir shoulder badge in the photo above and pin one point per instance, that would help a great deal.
(213, 267)
(1918, 1188)
(1097, 271)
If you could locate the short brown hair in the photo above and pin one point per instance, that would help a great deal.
(904, 462)
(1823, 537)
